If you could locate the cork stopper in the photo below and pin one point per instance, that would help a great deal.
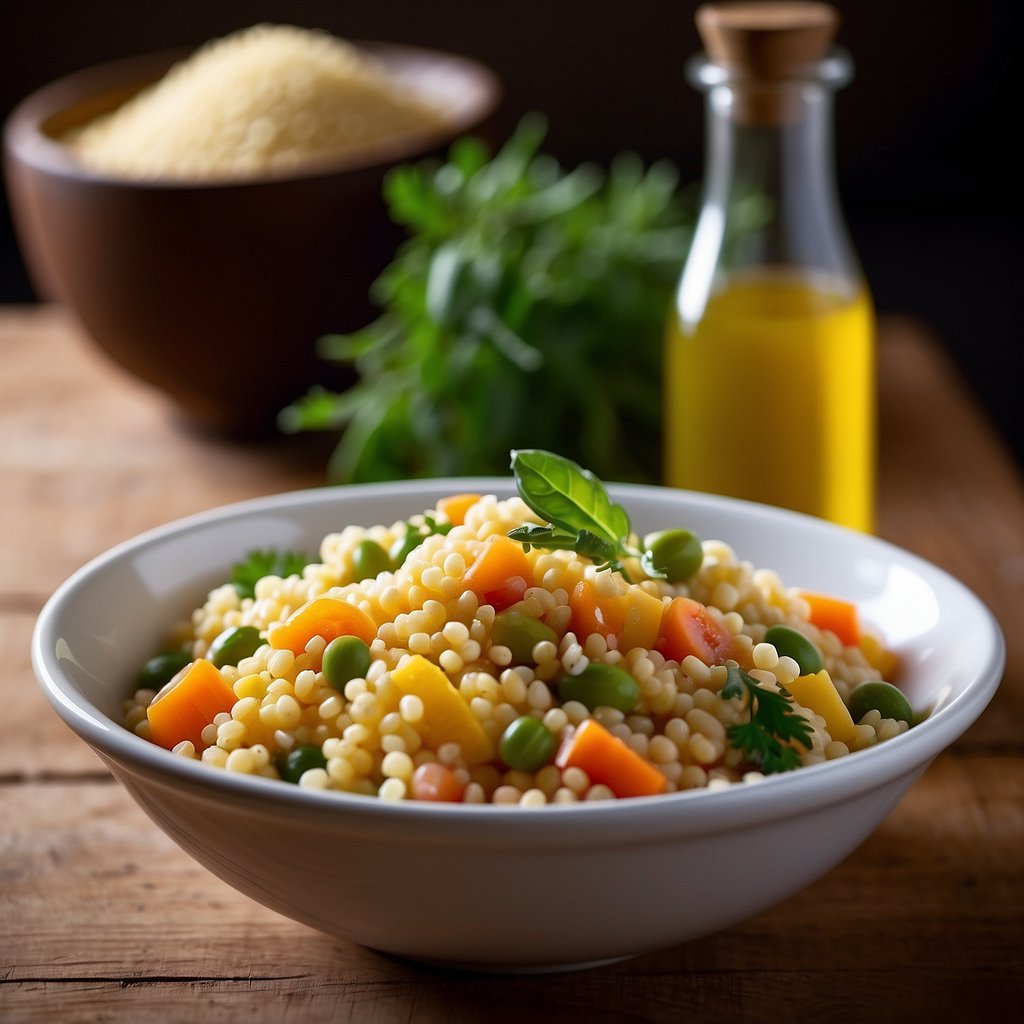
(761, 46)
(775, 39)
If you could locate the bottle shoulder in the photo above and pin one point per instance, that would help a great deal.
(774, 293)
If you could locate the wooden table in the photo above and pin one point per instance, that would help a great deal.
(103, 918)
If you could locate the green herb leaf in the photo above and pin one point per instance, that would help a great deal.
(264, 562)
(417, 530)
(584, 543)
(565, 494)
(599, 549)
(581, 515)
(736, 682)
(772, 723)
(521, 286)
(532, 535)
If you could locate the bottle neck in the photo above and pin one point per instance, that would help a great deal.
(770, 171)
(770, 200)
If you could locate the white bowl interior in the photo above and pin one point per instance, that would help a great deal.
(115, 612)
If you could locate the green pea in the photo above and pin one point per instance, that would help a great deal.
(600, 685)
(886, 699)
(300, 760)
(677, 554)
(369, 560)
(403, 547)
(161, 669)
(234, 644)
(345, 658)
(520, 634)
(527, 744)
(791, 644)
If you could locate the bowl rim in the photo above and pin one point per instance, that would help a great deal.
(26, 141)
(702, 810)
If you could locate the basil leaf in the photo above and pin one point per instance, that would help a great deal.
(568, 496)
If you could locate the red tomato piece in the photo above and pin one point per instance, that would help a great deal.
(507, 593)
(687, 627)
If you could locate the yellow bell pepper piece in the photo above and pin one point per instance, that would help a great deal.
(447, 717)
(641, 621)
(818, 693)
(878, 657)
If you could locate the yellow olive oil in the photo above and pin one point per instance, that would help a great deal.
(770, 396)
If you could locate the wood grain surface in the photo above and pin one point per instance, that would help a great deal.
(103, 918)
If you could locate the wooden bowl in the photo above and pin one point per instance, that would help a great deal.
(216, 293)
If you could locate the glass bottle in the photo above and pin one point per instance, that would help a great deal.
(770, 389)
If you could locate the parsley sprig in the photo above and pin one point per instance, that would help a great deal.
(417, 530)
(772, 722)
(262, 562)
(579, 514)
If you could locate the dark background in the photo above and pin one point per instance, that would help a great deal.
(927, 133)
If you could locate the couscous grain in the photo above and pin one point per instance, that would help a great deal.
(372, 734)
(264, 99)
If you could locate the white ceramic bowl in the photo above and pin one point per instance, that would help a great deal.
(504, 888)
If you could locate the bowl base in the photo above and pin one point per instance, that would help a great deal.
(471, 967)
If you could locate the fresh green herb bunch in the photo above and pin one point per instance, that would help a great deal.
(525, 309)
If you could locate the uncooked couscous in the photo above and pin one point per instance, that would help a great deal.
(441, 659)
(268, 98)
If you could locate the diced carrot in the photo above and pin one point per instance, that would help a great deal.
(687, 627)
(187, 704)
(607, 760)
(455, 507)
(328, 617)
(592, 613)
(447, 717)
(499, 560)
(437, 782)
(835, 614)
